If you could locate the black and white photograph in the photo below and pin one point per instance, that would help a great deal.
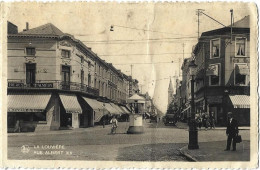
(153, 85)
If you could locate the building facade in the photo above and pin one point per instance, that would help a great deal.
(65, 82)
(222, 82)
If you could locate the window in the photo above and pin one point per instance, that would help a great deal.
(241, 73)
(89, 80)
(240, 47)
(65, 53)
(82, 60)
(30, 74)
(82, 77)
(214, 74)
(30, 51)
(215, 48)
(65, 77)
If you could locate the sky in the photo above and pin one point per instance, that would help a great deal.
(153, 37)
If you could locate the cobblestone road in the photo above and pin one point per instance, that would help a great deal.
(159, 142)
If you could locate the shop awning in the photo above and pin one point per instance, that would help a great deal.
(117, 108)
(118, 111)
(242, 69)
(98, 108)
(27, 102)
(70, 103)
(125, 110)
(240, 101)
(110, 109)
(94, 104)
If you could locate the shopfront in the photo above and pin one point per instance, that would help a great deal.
(27, 111)
(239, 105)
(70, 111)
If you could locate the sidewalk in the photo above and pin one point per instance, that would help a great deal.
(182, 125)
(214, 151)
(53, 132)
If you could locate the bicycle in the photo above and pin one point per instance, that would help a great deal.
(113, 130)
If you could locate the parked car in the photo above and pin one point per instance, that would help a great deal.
(169, 119)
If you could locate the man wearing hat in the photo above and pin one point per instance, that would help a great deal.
(232, 131)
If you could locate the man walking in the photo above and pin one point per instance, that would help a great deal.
(232, 131)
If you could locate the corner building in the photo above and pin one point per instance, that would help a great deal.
(55, 81)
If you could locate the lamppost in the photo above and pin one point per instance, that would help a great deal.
(104, 115)
(193, 132)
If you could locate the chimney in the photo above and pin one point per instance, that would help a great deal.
(27, 27)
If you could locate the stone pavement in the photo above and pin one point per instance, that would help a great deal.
(214, 151)
(182, 125)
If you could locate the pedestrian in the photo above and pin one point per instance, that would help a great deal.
(206, 120)
(212, 120)
(17, 127)
(114, 124)
(231, 132)
(198, 120)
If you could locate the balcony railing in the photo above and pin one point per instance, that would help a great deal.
(51, 84)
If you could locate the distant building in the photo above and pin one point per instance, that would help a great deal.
(170, 92)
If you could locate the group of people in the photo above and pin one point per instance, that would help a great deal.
(205, 120)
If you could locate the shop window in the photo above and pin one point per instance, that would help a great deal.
(214, 74)
(65, 53)
(240, 47)
(215, 48)
(30, 51)
(241, 72)
(39, 117)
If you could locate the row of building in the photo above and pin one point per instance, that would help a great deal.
(222, 79)
(56, 81)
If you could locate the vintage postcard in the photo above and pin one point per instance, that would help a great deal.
(129, 85)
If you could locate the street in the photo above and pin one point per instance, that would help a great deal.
(157, 143)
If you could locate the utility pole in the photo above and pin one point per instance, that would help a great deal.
(231, 25)
(199, 13)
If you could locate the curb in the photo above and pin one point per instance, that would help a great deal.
(56, 132)
(188, 156)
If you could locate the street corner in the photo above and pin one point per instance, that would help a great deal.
(214, 151)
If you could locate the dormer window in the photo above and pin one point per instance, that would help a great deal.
(65, 53)
(30, 51)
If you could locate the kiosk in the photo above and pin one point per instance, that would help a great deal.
(136, 103)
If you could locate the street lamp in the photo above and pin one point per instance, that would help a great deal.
(193, 132)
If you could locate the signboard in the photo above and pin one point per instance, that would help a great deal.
(43, 85)
(14, 84)
(24, 110)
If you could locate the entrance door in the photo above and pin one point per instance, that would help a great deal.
(65, 77)
(30, 74)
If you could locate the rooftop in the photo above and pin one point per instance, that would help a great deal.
(46, 29)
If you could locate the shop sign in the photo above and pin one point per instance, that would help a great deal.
(43, 85)
(25, 110)
(13, 84)
(214, 100)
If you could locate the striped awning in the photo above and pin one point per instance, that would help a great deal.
(94, 104)
(125, 109)
(240, 101)
(119, 110)
(70, 103)
(27, 102)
